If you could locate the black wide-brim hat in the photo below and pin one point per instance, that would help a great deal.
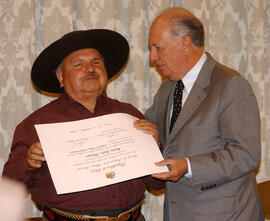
(111, 45)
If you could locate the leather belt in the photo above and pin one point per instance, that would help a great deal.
(55, 214)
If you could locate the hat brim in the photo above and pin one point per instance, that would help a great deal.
(111, 45)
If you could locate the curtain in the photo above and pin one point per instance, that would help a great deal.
(237, 35)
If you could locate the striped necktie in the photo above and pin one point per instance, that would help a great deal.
(177, 102)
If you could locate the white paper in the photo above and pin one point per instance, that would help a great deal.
(96, 152)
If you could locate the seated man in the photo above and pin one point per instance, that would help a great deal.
(78, 65)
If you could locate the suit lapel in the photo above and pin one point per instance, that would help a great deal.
(168, 109)
(196, 96)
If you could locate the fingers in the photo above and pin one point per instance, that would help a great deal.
(165, 175)
(147, 127)
(177, 166)
(162, 163)
(35, 155)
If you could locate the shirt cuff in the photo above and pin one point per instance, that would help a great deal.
(189, 173)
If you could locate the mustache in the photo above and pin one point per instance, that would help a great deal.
(91, 74)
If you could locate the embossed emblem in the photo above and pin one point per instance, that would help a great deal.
(110, 175)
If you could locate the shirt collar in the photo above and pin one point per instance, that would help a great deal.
(190, 78)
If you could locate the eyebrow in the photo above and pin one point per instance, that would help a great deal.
(83, 58)
(96, 58)
(155, 45)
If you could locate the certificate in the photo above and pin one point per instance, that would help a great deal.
(95, 152)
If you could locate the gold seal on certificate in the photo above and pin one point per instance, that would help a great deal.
(110, 175)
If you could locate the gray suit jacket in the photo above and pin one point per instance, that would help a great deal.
(218, 129)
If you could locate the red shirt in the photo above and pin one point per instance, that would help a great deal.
(39, 181)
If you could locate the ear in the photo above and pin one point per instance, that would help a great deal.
(59, 75)
(186, 43)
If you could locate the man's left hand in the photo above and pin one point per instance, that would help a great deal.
(178, 168)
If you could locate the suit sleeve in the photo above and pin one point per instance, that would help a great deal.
(157, 112)
(240, 151)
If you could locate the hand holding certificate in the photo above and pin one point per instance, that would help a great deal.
(96, 152)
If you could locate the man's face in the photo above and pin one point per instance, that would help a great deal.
(83, 73)
(165, 52)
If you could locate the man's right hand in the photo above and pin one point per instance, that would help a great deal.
(35, 155)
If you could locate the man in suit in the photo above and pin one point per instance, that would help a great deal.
(213, 147)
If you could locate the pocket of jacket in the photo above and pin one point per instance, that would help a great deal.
(215, 206)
